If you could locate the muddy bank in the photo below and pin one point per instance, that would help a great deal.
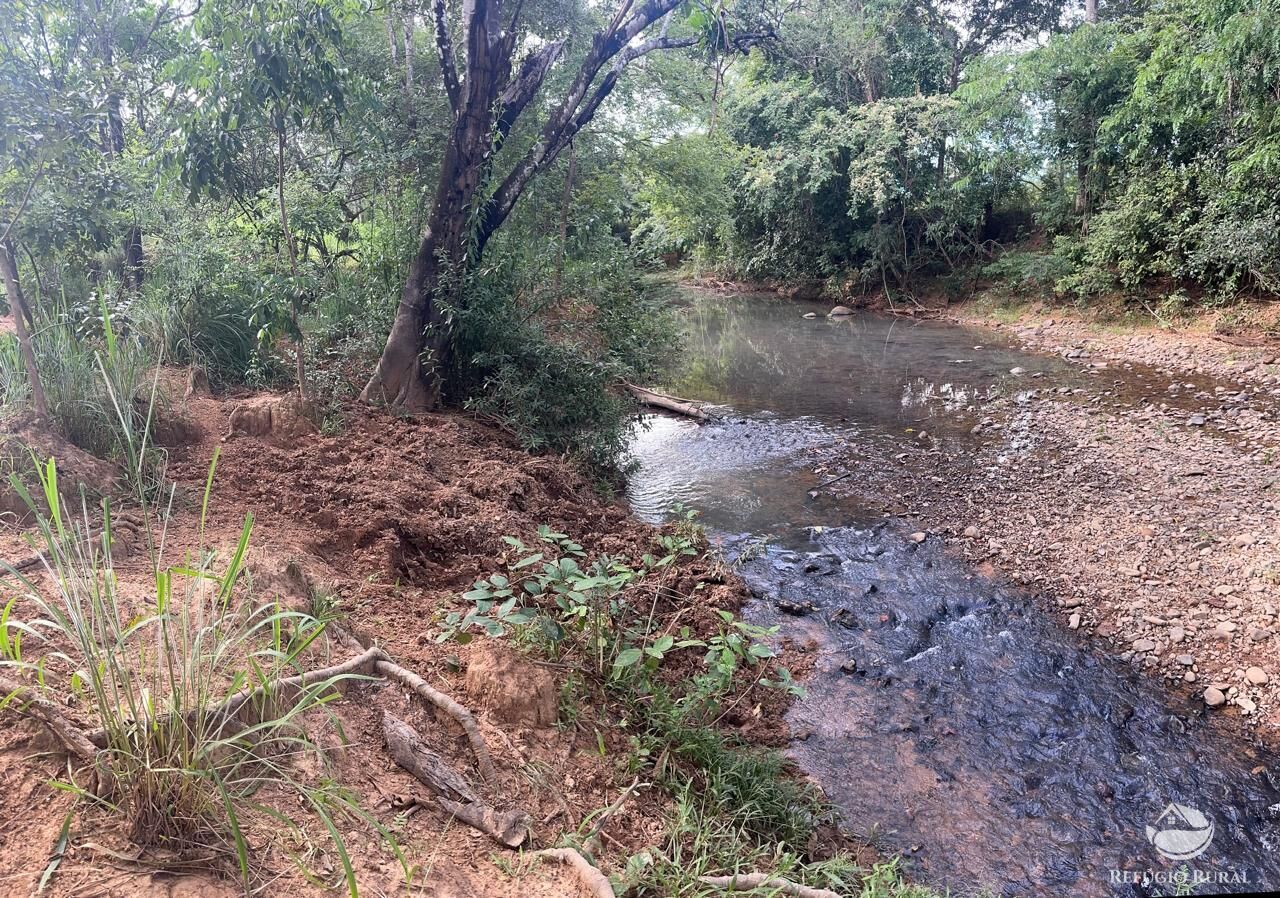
(388, 522)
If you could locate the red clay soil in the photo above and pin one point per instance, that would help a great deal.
(393, 517)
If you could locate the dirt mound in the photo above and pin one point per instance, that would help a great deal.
(22, 440)
(512, 689)
(283, 420)
(422, 501)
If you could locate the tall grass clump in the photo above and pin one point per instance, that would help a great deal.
(197, 735)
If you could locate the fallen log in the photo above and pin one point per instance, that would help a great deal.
(654, 399)
(449, 789)
(776, 885)
(591, 879)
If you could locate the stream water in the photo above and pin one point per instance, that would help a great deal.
(948, 718)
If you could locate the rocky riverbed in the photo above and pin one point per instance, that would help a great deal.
(1140, 498)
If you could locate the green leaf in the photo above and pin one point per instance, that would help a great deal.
(627, 658)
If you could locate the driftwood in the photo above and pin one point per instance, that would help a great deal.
(747, 882)
(590, 878)
(450, 790)
(654, 399)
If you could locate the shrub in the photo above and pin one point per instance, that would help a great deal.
(1028, 272)
(181, 770)
(548, 362)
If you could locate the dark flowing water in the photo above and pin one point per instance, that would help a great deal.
(948, 717)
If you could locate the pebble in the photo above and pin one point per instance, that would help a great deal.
(1246, 705)
(1257, 676)
(1196, 420)
(918, 537)
(1186, 660)
(1074, 621)
(1177, 634)
(1226, 628)
(972, 532)
(1143, 645)
(1213, 697)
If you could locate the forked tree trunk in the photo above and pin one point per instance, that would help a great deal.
(487, 102)
(21, 315)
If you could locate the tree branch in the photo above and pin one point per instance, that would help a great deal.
(26, 198)
(571, 115)
(444, 47)
(521, 90)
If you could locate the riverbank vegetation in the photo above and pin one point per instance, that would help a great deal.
(386, 251)
(349, 202)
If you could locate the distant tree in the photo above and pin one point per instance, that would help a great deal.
(265, 64)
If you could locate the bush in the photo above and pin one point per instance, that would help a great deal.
(548, 363)
(1029, 272)
(182, 770)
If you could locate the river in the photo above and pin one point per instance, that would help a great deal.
(949, 718)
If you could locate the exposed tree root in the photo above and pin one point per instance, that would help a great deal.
(243, 706)
(71, 737)
(591, 879)
(509, 828)
(384, 666)
(411, 753)
(451, 792)
(592, 842)
(747, 882)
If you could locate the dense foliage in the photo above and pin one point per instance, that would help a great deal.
(890, 147)
(246, 186)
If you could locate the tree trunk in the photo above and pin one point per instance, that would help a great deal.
(410, 372)
(21, 315)
(1091, 12)
(486, 104)
(291, 248)
(134, 260)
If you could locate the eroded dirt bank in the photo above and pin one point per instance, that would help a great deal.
(388, 522)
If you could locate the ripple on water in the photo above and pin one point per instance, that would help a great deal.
(947, 712)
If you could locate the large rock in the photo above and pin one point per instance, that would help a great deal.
(840, 312)
(511, 688)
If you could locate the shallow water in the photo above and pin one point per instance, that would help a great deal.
(948, 717)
